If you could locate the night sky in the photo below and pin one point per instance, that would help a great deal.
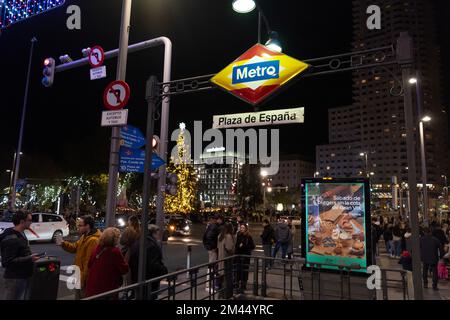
(63, 133)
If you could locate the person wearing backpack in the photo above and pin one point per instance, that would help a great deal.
(282, 235)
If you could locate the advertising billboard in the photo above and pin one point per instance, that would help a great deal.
(336, 223)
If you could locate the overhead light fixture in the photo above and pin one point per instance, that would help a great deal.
(244, 6)
(274, 43)
(426, 119)
(413, 80)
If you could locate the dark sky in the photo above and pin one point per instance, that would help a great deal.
(63, 132)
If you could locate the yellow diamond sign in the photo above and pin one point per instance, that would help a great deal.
(258, 73)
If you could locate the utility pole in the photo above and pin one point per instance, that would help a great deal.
(405, 57)
(22, 124)
(115, 134)
(152, 97)
(420, 114)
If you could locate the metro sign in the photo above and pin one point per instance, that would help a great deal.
(258, 73)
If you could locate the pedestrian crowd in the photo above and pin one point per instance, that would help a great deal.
(221, 240)
(106, 260)
(397, 237)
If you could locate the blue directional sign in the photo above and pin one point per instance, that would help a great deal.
(133, 160)
(156, 162)
(132, 137)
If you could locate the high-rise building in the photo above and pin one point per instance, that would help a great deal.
(291, 169)
(217, 173)
(374, 126)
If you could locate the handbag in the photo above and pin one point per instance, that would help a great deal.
(442, 271)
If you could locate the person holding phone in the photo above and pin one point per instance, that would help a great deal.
(83, 249)
(17, 258)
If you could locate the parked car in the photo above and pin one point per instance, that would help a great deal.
(44, 227)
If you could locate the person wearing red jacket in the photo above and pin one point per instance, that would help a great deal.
(106, 265)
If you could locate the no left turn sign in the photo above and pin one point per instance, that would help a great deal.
(96, 57)
(116, 95)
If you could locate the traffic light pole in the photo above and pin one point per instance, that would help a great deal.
(22, 124)
(115, 134)
(151, 95)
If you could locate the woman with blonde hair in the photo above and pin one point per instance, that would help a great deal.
(107, 264)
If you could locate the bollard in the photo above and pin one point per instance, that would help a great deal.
(188, 259)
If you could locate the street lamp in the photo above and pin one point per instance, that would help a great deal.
(423, 118)
(364, 154)
(445, 186)
(246, 6)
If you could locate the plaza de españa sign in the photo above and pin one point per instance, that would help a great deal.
(258, 73)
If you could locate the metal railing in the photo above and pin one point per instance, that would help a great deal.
(241, 277)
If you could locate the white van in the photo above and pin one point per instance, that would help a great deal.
(45, 227)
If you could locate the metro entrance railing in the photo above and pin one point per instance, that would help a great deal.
(274, 278)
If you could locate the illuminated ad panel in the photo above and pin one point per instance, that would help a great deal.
(336, 224)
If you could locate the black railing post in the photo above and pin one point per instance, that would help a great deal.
(255, 277)
(385, 288)
(228, 278)
(284, 279)
(264, 278)
(349, 284)
(290, 266)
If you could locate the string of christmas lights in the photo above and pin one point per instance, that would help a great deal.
(12, 11)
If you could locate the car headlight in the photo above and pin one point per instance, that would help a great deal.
(1, 230)
(121, 222)
(186, 228)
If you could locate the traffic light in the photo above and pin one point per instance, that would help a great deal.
(155, 145)
(171, 184)
(49, 72)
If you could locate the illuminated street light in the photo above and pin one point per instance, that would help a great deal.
(426, 119)
(413, 80)
(264, 173)
(269, 189)
(244, 6)
(274, 43)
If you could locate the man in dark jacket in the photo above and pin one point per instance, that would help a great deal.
(154, 265)
(17, 258)
(283, 235)
(431, 250)
(268, 237)
(440, 234)
(210, 239)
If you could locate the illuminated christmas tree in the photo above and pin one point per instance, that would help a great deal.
(180, 164)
